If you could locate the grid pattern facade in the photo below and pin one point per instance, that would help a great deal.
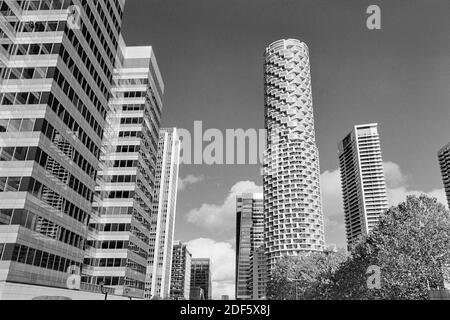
(292, 196)
(444, 162)
(363, 182)
(118, 246)
(163, 216)
(201, 278)
(258, 274)
(181, 272)
(249, 237)
(55, 85)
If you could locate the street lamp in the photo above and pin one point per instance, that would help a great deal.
(103, 290)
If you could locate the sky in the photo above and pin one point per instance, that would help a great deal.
(210, 54)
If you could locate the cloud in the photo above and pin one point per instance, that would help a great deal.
(333, 208)
(189, 180)
(397, 189)
(223, 258)
(221, 217)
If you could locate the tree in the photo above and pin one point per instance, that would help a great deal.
(411, 246)
(297, 278)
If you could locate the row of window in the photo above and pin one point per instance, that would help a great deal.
(84, 110)
(107, 244)
(114, 211)
(130, 82)
(130, 134)
(122, 149)
(132, 107)
(24, 49)
(93, 44)
(117, 194)
(73, 125)
(17, 125)
(11, 98)
(87, 59)
(30, 73)
(110, 227)
(132, 94)
(38, 258)
(116, 22)
(122, 179)
(41, 191)
(70, 63)
(42, 26)
(44, 5)
(53, 135)
(41, 157)
(33, 222)
(131, 120)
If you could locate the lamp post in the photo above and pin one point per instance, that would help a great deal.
(103, 290)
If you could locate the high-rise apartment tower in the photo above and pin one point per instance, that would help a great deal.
(163, 216)
(292, 196)
(363, 182)
(444, 162)
(249, 237)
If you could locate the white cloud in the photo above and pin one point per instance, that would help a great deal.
(189, 180)
(223, 258)
(221, 217)
(397, 189)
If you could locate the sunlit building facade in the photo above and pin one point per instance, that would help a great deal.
(201, 282)
(163, 215)
(181, 272)
(363, 182)
(292, 196)
(56, 74)
(118, 246)
(444, 162)
(249, 237)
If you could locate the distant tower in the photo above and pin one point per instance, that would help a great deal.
(363, 182)
(163, 216)
(444, 161)
(181, 272)
(201, 279)
(249, 238)
(292, 197)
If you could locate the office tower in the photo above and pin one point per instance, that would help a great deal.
(292, 197)
(362, 177)
(163, 216)
(201, 278)
(249, 237)
(117, 250)
(56, 83)
(258, 274)
(197, 293)
(444, 162)
(180, 283)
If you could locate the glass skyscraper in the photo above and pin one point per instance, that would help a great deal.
(56, 77)
(249, 238)
(118, 246)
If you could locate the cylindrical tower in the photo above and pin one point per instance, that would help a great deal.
(292, 197)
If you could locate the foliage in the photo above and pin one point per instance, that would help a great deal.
(410, 245)
(298, 277)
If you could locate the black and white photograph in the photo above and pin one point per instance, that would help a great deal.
(224, 158)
